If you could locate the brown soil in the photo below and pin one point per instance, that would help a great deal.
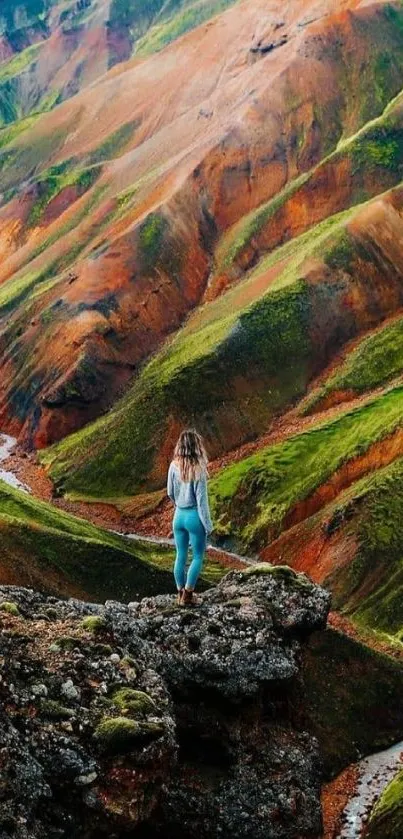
(335, 796)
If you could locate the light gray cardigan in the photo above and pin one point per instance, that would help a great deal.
(190, 494)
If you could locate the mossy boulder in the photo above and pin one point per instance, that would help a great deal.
(280, 572)
(136, 703)
(9, 607)
(94, 624)
(119, 735)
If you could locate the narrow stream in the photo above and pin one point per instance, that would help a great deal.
(375, 773)
(7, 444)
(157, 540)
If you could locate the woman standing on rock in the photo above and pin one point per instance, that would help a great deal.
(187, 488)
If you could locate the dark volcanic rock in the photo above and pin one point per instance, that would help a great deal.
(148, 720)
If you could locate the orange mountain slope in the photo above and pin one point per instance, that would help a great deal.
(120, 206)
(213, 234)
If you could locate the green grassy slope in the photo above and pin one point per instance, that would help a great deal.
(236, 362)
(56, 552)
(252, 498)
(353, 546)
(176, 18)
(376, 360)
(370, 586)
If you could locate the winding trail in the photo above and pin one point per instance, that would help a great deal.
(375, 772)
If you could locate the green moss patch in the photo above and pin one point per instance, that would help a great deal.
(11, 132)
(54, 181)
(55, 710)
(136, 703)
(120, 735)
(114, 145)
(380, 146)
(9, 607)
(19, 62)
(151, 239)
(94, 624)
(370, 587)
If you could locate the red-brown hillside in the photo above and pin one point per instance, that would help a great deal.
(117, 203)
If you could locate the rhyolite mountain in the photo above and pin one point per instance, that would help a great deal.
(158, 186)
(203, 224)
(201, 221)
(51, 49)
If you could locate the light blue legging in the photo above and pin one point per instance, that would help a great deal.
(187, 528)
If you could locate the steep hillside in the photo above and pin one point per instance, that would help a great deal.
(360, 710)
(247, 355)
(213, 235)
(51, 49)
(153, 190)
(353, 544)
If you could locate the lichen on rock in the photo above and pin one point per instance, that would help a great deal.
(178, 725)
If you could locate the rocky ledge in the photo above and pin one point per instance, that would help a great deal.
(148, 720)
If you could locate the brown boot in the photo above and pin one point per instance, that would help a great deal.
(180, 596)
(188, 598)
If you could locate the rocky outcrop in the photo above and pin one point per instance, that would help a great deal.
(149, 720)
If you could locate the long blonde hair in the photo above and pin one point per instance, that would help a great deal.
(190, 455)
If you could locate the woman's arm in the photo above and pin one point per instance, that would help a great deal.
(203, 507)
(170, 483)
